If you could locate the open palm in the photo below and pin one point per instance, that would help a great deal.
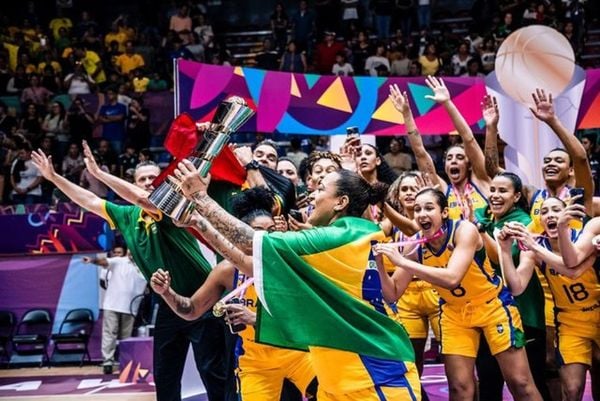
(399, 99)
(441, 94)
(489, 109)
(43, 164)
(544, 108)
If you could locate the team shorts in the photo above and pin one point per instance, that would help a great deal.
(419, 309)
(576, 332)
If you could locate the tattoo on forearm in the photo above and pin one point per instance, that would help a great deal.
(491, 159)
(237, 232)
(184, 305)
(228, 250)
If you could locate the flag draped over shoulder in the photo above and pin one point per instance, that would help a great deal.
(312, 285)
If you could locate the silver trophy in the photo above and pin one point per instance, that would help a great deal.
(229, 117)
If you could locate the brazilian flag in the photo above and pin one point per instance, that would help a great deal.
(320, 287)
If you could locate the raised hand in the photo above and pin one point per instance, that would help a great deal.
(43, 164)
(243, 154)
(190, 180)
(399, 99)
(160, 281)
(280, 223)
(424, 181)
(441, 94)
(544, 108)
(90, 162)
(573, 211)
(489, 109)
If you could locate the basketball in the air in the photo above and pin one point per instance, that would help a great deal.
(534, 57)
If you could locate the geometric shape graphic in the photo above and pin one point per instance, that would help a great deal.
(238, 71)
(311, 79)
(254, 81)
(388, 113)
(294, 87)
(335, 97)
(418, 93)
(592, 117)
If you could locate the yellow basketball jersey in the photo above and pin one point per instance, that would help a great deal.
(458, 206)
(580, 294)
(536, 205)
(249, 300)
(479, 283)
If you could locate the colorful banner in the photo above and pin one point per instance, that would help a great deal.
(589, 110)
(321, 105)
(39, 229)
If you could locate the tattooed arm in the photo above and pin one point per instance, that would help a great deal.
(194, 188)
(219, 280)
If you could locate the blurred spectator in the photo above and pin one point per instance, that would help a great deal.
(430, 61)
(341, 66)
(138, 123)
(58, 22)
(326, 52)
(63, 41)
(92, 40)
(415, 69)
(474, 69)
(72, 164)
(181, 22)
(112, 116)
(81, 121)
(569, 32)
(279, 25)
(83, 25)
(487, 53)
(129, 60)
(31, 122)
(79, 81)
(303, 25)
(49, 59)
(145, 155)
(474, 40)
(35, 94)
(109, 57)
(460, 59)
(17, 82)
(179, 51)
(267, 58)
(127, 161)
(196, 48)
(292, 60)
(204, 30)
(8, 123)
(506, 28)
(349, 17)
(117, 36)
(405, 10)
(398, 158)
(589, 144)
(91, 63)
(51, 80)
(55, 125)
(287, 168)
(530, 14)
(157, 83)
(25, 178)
(383, 10)
(139, 81)
(108, 155)
(91, 183)
(400, 63)
(145, 48)
(424, 14)
(377, 60)
(295, 153)
(360, 52)
(25, 60)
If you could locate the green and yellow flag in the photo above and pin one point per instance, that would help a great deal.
(320, 287)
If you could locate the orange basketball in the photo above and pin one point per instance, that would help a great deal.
(534, 57)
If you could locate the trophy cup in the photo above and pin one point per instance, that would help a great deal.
(229, 117)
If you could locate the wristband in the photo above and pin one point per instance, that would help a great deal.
(253, 165)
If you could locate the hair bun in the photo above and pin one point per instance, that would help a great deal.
(377, 192)
(252, 199)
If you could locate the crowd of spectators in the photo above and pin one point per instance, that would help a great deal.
(48, 62)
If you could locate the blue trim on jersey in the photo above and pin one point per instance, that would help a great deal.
(385, 372)
(479, 192)
(479, 261)
(507, 299)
